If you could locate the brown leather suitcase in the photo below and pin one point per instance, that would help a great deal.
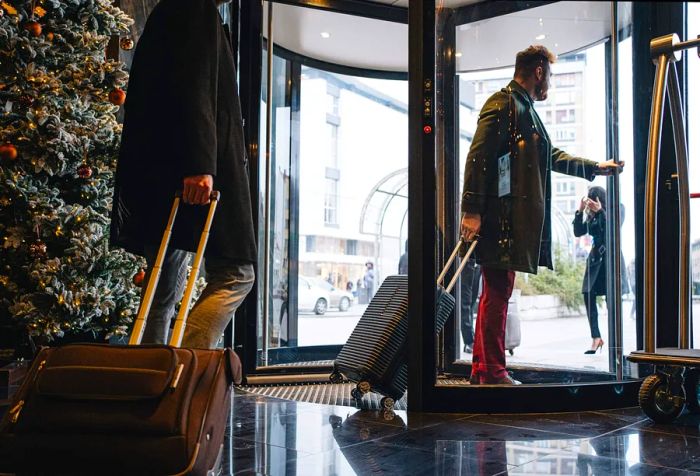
(127, 410)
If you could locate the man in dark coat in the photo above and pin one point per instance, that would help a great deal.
(183, 131)
(506, 200)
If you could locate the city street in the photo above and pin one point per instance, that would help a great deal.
(556, 342)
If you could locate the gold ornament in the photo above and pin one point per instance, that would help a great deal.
(5, 201)
(126, 43)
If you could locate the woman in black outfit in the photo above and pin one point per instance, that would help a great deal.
(592, 208)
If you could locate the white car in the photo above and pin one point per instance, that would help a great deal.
(313, 297)
(339, 299)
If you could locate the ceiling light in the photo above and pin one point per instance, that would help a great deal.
(458, 54)
(541, 37)
(325, 34)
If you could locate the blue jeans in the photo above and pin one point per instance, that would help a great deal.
(228, 283)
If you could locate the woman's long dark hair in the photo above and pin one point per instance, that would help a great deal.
(599, 193)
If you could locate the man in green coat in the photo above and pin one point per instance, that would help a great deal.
(506, 200)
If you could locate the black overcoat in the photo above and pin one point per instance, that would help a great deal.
(183, 118)
(515, 229)
(594, 278)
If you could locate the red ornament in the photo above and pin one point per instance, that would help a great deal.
(33, 27)
(139, 277)
(117, 96)
(37, 249)
(8, 151)
(26, 100)
(49, 36)
(84, 171)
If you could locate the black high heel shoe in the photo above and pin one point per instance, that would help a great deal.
(599, 346)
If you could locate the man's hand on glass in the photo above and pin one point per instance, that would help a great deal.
(197, 189)
(471, 225)
(609, 167)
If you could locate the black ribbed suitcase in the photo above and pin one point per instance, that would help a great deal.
(375, 354)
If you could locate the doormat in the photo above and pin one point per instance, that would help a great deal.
(324, 393)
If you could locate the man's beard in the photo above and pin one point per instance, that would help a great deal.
(540, 93)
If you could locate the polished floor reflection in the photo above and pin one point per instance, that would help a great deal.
(272, 436)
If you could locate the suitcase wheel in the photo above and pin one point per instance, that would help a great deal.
(364, 387)
(387, 403)
(356, 394)
(510, 351)
(336, 377)
(335, 421)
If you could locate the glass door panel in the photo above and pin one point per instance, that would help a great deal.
(555, 327)
(352, 200)
(338, 185)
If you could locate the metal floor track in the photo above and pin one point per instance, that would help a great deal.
(324, 393)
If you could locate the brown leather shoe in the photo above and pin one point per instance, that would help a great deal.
(474, 380)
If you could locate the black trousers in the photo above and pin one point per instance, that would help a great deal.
(592, 312)
(469, 290)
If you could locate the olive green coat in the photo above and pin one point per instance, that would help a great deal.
(515, 229)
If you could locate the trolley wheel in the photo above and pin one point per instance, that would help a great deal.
(336, 377)
(657, 400)
(356, 394)
(388, 415)
(692, 380)
(387, 403)
(511, 352)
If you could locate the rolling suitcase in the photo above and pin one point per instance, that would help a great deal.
(127, 410)
(375, 354)
(513, 334)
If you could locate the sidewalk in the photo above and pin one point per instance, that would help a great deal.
(559, 342)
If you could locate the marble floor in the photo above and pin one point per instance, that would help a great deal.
(270, 436)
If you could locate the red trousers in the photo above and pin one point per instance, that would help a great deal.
(489, 357)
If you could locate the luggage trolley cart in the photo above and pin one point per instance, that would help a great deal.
(663, 394)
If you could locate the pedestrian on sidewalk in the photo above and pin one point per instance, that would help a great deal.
(590, 219)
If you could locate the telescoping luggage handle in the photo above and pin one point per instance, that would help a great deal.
(181, 320)
(461, 265)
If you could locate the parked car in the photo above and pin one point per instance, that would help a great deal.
(339, 299)
(312, 297)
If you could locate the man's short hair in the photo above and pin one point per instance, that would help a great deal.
(529, 59)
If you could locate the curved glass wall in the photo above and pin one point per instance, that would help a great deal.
(337, 198)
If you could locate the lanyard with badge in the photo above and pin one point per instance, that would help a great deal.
(505, 239)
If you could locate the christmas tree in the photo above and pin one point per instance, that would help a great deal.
(59, 140)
